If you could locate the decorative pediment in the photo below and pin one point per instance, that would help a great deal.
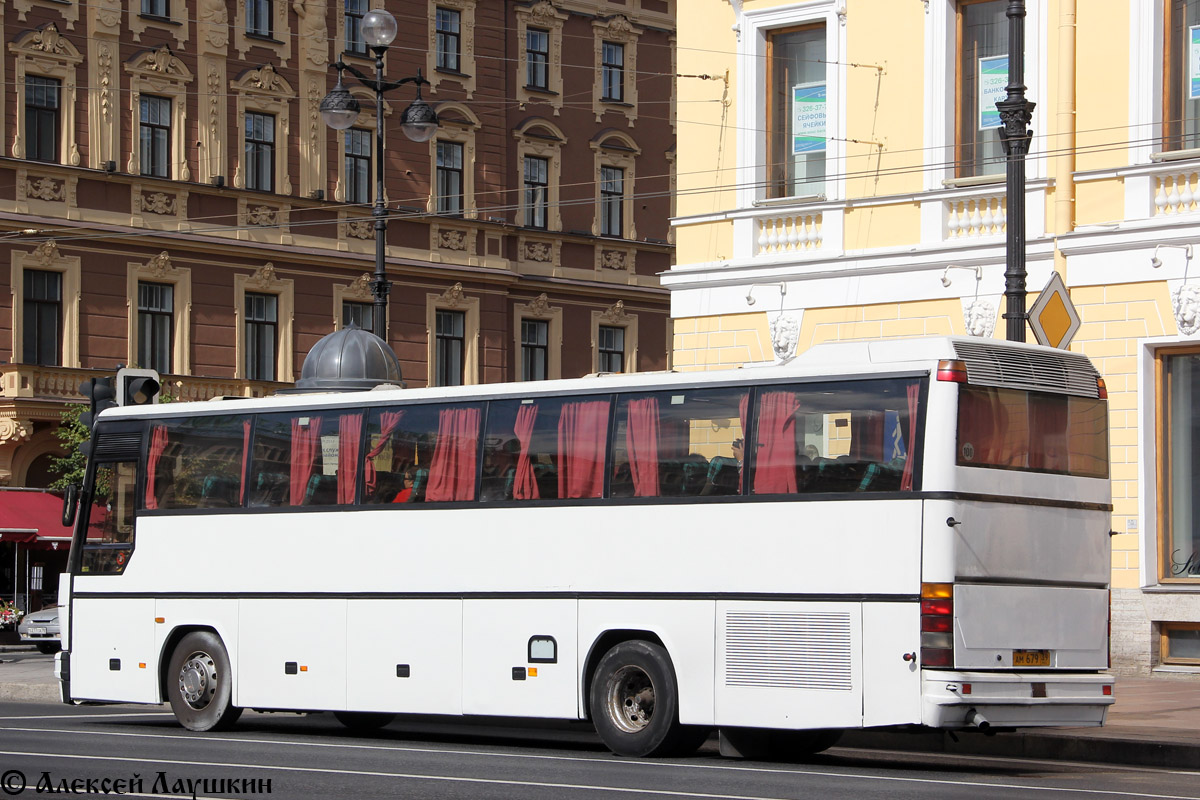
(158, 63)
(44, 254)
(47, 41)
(453, 297)
(615, 313)
(264, 81)
(539, 306)
(263, 277)
(360, 289)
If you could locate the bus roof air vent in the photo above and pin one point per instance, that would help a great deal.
(1059, 372)
(348, 360)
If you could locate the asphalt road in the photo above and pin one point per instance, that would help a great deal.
(142, 752)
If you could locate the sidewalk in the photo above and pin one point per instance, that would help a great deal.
(1154, 722)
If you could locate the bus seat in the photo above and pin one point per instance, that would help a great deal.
(420, 482)
(695, 474)
(270, 489)
(387, 484)
(218, 491)
(722, 476)
(547, 480)
(321, 491)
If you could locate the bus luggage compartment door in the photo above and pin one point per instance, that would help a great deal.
(789, 665)
(1065, 627)
(113, 653)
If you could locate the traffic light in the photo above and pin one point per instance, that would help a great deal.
(100, 395)
(137, 387)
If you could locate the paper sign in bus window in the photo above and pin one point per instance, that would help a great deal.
(808, 118)
(993, 80)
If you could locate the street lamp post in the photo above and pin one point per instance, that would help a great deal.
(1015, 113)
(419, 122)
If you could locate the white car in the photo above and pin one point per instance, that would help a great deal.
(41, 629)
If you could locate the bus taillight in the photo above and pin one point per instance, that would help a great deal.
(1101, 389)
(937, 623)
(953, 371)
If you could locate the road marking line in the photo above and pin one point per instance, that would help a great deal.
(91, 716)
(630, 790)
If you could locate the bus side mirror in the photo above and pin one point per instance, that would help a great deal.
(70, 503)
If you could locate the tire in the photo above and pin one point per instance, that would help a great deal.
(634, 703)
(199, 683)
(364, 720)
(48, 647)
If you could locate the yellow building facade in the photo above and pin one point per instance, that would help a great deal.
(840, 176)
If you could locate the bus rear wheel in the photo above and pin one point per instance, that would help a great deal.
(199, 684)
(634, 703)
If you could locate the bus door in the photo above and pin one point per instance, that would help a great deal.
(112, 637)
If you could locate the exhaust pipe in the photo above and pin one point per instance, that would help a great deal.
(977, 720)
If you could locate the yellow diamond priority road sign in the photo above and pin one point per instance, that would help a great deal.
(1053, 318)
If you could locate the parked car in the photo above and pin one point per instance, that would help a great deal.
(41, 629)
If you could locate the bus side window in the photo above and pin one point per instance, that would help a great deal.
(110, 522)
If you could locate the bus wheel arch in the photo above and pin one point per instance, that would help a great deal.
(603, 643)
(633, 700)
(197, 679)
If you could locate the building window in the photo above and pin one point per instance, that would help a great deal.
(1180, 643)
(42, 334)
(610, 344)
(537, 182)
(612, 200)
(260, 151)
(156, 8)
(612, 72)
(155, 140)
(262, 322)
(448, 349)
(537, 58)
(449, 42)
(982, 76)
(1179, 417)
(360, 314)
(258, 18)
(796, 111)
(41, 118)
(358, 166)
(535, 338)
(450, 178)
(1181, 114)
(156, 305)
(355, 10)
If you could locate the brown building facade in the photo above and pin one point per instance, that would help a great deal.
(170, 197)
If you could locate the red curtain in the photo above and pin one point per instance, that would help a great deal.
(452, 468)
(349, 434)
(245, 461)
(525, 484)
(158, 443)
(743, 409)
(641, 443)
(910, 461)
(388, 422)
(582, 433)
(306, 443)
(775, 461)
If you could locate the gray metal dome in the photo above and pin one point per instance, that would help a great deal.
(349, 360)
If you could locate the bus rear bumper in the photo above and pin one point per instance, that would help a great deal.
(983, 700)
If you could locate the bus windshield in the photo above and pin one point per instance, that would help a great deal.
(1032, 431)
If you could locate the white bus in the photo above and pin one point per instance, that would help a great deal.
(910, 532)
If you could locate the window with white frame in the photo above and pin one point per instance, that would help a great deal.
(612, 200)
(156, 8)
(160, 299)
(615, 86)
(540, 27)
(449, 178)
(49, 333)
(451, 45)
(264, 101)
(535, 199)
(610, 349)
(354, 42)
(261, 323)
(156, 325)
(615, 161)
(535, 344)
(154, 136)
(539, 148)
(260, 151)
(448, 25)
(259, 15)
(612, 72)
(42, 118)
(42, 298)
(537, 59)
(358, 313)
(449, 348)
(358, 165)
(265, 306)
(1181, 107)
(982, 76)
(796, 111)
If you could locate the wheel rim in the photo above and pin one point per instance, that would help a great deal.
(630, 699)
(198, 680)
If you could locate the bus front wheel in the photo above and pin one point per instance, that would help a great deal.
(199, 685)
(634, 703)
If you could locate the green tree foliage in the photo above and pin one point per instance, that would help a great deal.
(71, 433)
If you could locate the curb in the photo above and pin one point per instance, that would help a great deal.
(1064, 746)
(30, 692)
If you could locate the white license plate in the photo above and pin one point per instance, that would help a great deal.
(37, 631)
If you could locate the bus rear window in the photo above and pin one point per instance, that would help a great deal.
(1034, 431)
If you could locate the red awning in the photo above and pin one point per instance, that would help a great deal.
(32, 517)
